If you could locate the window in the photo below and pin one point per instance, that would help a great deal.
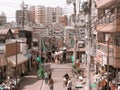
(117, 40)
(118, 9)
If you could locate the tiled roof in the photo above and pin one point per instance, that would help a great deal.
(4, 31)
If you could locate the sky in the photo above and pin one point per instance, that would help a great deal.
(10, 6)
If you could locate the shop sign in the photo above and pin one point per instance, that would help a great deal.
(100, 57)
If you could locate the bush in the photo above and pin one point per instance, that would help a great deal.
(79, 71)
(74, 66)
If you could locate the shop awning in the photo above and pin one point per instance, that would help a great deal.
(20, 59)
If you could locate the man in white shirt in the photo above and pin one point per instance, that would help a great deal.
(69, 84)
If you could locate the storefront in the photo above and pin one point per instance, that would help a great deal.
(3, 67)
(29, 57)
(19, 61)
(80, 54)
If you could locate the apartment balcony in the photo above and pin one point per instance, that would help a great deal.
(109, 23)
(114, 57)
(104, 3)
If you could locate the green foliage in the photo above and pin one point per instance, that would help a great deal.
(74, 66)
(79, 71)
(40, 72)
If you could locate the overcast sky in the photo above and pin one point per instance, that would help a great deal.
(10, 6)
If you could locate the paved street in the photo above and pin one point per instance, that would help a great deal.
(30, 82)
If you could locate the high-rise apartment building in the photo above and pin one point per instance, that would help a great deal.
(3, 19)
(40, 15)
(32, 14)
(49, 15)
(22, 16)
(57, 14)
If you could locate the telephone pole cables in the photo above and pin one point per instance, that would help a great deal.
(87, 9)
(75, 21)
(24, 13)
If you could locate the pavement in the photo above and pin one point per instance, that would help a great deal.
(31, 82)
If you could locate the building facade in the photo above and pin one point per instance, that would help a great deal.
(40, 15)
(22, 17)
(32, 14)
(3, 19)
(49, 15)
(108, 34)
(57, 14)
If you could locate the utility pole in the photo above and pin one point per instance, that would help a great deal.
(108, 41)
(75, 37)
(89, 44)
(24, 8)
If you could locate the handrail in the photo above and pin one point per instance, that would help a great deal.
(106, 19)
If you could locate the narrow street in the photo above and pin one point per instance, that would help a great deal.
(31, 82)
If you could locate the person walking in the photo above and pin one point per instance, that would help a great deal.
(49, 74)
(66, 76)
(69, 84)
(50, 83)
(46, 77)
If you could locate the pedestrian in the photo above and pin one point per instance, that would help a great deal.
(50, 83)
(8, 83)
(66, 76)
(46, 77)
(64, 81)
(69, 84)
(49, 74)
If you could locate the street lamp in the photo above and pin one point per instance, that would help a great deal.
(24, 8)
